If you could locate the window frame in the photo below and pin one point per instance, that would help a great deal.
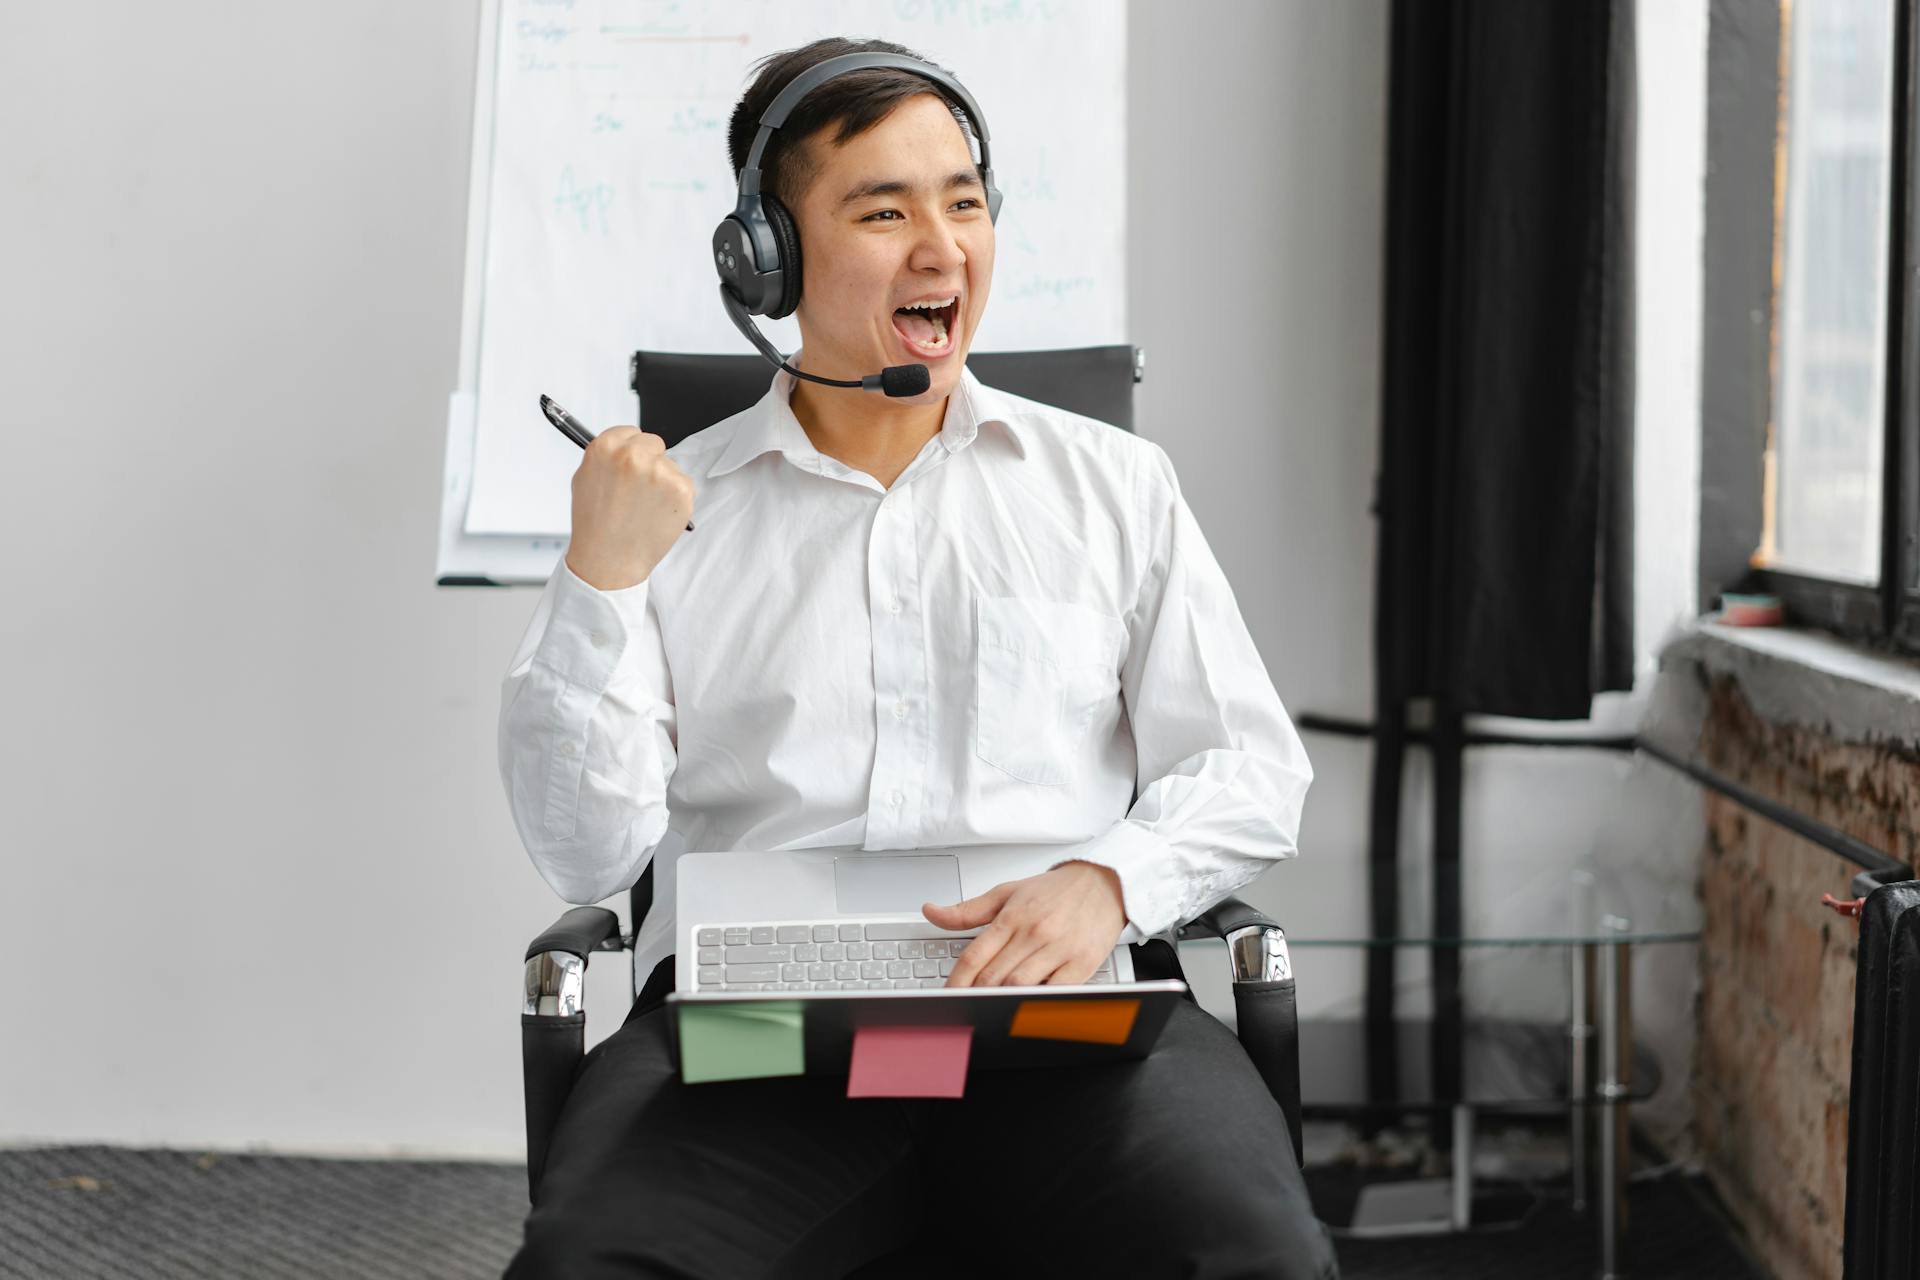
(1743, 88)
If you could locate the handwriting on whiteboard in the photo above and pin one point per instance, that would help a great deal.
(609, 169)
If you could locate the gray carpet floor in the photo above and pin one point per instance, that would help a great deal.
(75, 1212)
(155, 1215)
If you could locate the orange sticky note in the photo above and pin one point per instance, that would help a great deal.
(909, 1062)
(1092, 1021)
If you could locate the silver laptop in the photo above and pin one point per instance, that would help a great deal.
(840, 921)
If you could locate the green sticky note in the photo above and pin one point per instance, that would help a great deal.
(746, 1040)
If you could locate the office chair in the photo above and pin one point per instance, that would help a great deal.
(681, 394)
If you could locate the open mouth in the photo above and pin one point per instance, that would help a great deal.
(927, 327)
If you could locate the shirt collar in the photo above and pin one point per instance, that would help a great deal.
(770, 425)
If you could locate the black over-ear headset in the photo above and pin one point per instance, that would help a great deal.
(756, 248)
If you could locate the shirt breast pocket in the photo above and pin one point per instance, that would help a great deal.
(1043, 670)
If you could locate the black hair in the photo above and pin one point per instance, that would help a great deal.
(857, 101)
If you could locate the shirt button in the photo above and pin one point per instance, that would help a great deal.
(895, 606)
(896, 797)
(566, 748)
(598, 639)
(900, 710)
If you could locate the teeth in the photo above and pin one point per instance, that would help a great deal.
(938, 321)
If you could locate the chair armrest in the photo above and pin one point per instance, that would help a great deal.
(553, 1021)
(579, 931)
(1256, 946)
(1263, 1000)
(555, 982)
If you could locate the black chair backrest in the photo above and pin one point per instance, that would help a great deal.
(681, 394)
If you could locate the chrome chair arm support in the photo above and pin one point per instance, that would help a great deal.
(556, 968)
(1256, 946)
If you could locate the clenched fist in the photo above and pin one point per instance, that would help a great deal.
(631, 503)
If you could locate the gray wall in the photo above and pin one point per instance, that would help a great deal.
(1258, 139)
(261, 884)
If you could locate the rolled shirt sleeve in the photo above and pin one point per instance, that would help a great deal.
(1224, 772)
(587, 736)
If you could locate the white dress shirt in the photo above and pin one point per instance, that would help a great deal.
(993, 650)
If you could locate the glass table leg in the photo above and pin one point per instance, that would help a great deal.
(1462, 1166)
(1616, 1079)
(1581, 959)
(1585, 963)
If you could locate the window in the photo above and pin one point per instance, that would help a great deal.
(1811, 454)
(1824, 478)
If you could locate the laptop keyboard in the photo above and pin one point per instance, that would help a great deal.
(832, 955)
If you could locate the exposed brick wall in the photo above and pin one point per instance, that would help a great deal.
(1777, 972)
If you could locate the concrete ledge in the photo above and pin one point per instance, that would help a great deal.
(1791, 675)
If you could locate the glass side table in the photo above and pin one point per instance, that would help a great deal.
(1586, 1066)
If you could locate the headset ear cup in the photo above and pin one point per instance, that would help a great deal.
(787, 236)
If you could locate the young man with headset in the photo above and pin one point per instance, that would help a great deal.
(916, 612)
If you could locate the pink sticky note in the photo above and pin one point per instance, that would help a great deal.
(909, 1062)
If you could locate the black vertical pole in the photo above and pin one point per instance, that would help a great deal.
(1383, 880)
(1416, 173)
(1448, 1006)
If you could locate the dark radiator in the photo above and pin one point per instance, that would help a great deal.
(1883, 1137)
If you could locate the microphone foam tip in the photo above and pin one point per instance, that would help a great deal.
(905, 379)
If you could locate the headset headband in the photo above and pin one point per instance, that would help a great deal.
(807, 81)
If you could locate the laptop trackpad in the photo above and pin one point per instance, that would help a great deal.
(896, 883)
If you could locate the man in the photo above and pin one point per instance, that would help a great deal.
(956, 618)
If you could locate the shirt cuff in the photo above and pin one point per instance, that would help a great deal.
(590, 629)
(1149, 881)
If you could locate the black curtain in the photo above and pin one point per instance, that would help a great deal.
(1505, 577)
(1507, 421)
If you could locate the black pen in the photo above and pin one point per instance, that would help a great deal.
(569, 426)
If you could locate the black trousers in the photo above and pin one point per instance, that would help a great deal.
(1179, 1164)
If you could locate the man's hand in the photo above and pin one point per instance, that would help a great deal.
(1053, 929)
(630, 505)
